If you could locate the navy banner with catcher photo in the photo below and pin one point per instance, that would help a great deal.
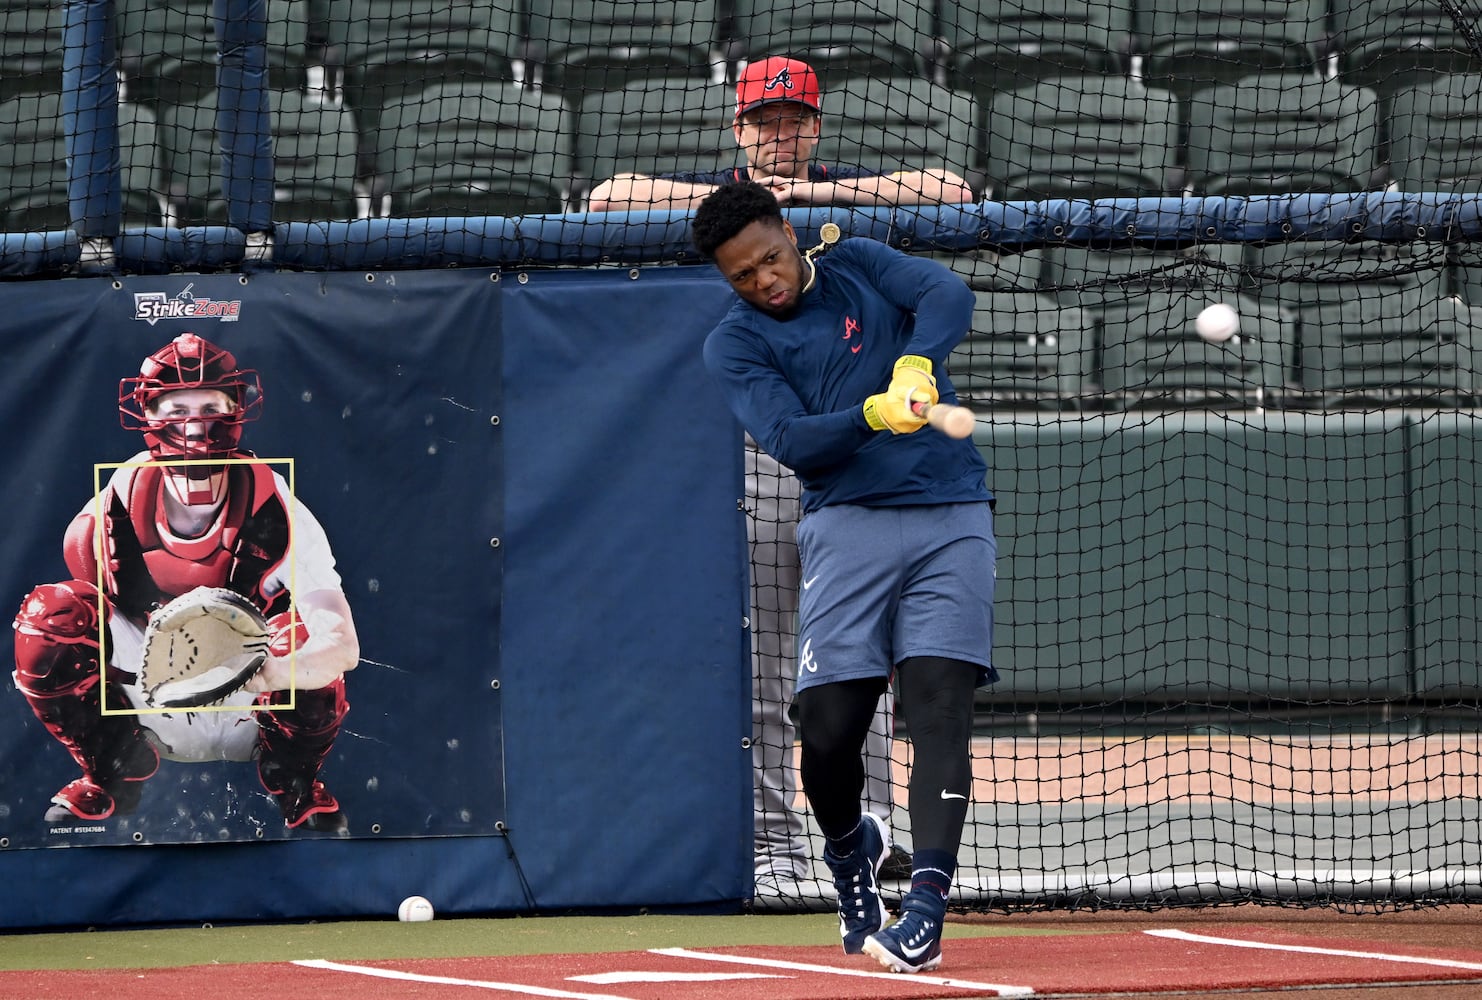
(249, 545)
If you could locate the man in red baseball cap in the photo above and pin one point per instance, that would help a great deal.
(777, 124)
(778, 118)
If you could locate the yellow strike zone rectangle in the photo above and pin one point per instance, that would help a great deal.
(102, 472)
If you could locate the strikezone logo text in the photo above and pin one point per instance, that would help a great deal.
(152, 307)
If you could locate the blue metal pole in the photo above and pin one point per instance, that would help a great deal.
(90, 118)
(243, 115)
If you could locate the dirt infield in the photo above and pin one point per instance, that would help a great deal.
(1454, 926)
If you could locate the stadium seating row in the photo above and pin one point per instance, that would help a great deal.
(1084, 136)
(500, 148)
(976, 53)
(169, 172)
(1321, 325)
(581, 46)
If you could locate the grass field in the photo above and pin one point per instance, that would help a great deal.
(442, 938)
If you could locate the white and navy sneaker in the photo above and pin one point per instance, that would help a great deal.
(911, 944)
(861, 912)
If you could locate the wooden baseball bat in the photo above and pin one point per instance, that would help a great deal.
(953, 421)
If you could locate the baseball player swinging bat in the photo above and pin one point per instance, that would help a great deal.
(953, 421)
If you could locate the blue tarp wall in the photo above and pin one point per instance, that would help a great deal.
(533, 504)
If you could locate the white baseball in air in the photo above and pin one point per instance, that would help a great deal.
(1217, 323)
(414, 910)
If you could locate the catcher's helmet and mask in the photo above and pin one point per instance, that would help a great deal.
(205, 643)
(190, 362)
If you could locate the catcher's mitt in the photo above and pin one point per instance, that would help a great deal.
(201, 647)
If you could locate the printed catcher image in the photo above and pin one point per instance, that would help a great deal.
(204, 619)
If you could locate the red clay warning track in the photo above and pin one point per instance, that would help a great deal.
(1145, 962)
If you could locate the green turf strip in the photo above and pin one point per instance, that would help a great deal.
(442, 938)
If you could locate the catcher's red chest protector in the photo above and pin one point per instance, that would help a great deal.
(178, 565)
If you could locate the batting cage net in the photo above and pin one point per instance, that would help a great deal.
(1237, 609)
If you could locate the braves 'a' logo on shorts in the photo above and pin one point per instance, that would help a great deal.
(782, 79)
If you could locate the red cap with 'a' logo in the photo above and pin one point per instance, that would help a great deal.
(776, 80)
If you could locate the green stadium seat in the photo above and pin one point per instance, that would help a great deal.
(167, 50)
(30, 47)
(989, 270)
(393, 47)
(654, 126)
(1435, 140)
(1426, 358)
(1093, 279)
(1025, 350)
(581, 47)
(1151, 356)
(1273, 133)
(1081, 137)
(314, 159)
(1089, 277)
(1186, 45)
(998, 45)
(139, 158)
(33, 166)
(1435, 135)
(187, 140)
(895, 122)
(390, 49)
(1390, 280)
(474, 150)
(1389, 44)
(839, 38)
(1375, 322)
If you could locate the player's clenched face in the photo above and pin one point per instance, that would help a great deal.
(763, 265)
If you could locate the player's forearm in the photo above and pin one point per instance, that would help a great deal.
(637, 192)
(940, 300)
(314, 666)
(817, 440)
(331, 649)
(310, 670)
(944, 316)
(917, 187)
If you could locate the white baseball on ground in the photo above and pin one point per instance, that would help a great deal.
(1217, 323)
(414, 910)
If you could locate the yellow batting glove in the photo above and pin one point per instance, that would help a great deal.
(885, 411)
(911, 380)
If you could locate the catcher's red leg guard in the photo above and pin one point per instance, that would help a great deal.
(56, 658)
(291, 747)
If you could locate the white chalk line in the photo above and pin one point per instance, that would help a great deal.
(1000, 989)
(412, 977)
(1377, 956)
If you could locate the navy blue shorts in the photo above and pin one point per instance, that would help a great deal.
(882, 584)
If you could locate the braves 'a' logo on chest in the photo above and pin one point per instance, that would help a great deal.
(853, 334)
